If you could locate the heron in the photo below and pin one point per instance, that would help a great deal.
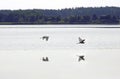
(45, 59)
(81, 57)
(81, 41)
(45, 38)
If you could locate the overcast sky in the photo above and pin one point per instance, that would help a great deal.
(55, 4)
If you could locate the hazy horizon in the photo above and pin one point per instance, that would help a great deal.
(60, 8)
(55, 4)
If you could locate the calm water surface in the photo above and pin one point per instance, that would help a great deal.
(21, 50)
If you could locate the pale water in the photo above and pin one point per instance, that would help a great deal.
(22, 49)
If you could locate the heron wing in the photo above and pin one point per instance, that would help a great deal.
(80, 39)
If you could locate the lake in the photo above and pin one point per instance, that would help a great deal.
(22, 49)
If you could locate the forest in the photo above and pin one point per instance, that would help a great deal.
(78, 15)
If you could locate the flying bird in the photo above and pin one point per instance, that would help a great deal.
(81, 57)
(45, 38)
(81, 41)
(45, 59)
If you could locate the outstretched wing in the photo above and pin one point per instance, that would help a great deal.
(80, 39)
(47, 38)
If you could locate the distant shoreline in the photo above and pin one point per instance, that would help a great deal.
(75, 16)
(30, 23)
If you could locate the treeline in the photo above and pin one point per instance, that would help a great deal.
(101, 15)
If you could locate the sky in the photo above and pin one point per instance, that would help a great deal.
(55, 4)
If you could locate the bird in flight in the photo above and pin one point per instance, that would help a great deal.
(45, 38)
(81, 57)
(81, 41)
(45, 59)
